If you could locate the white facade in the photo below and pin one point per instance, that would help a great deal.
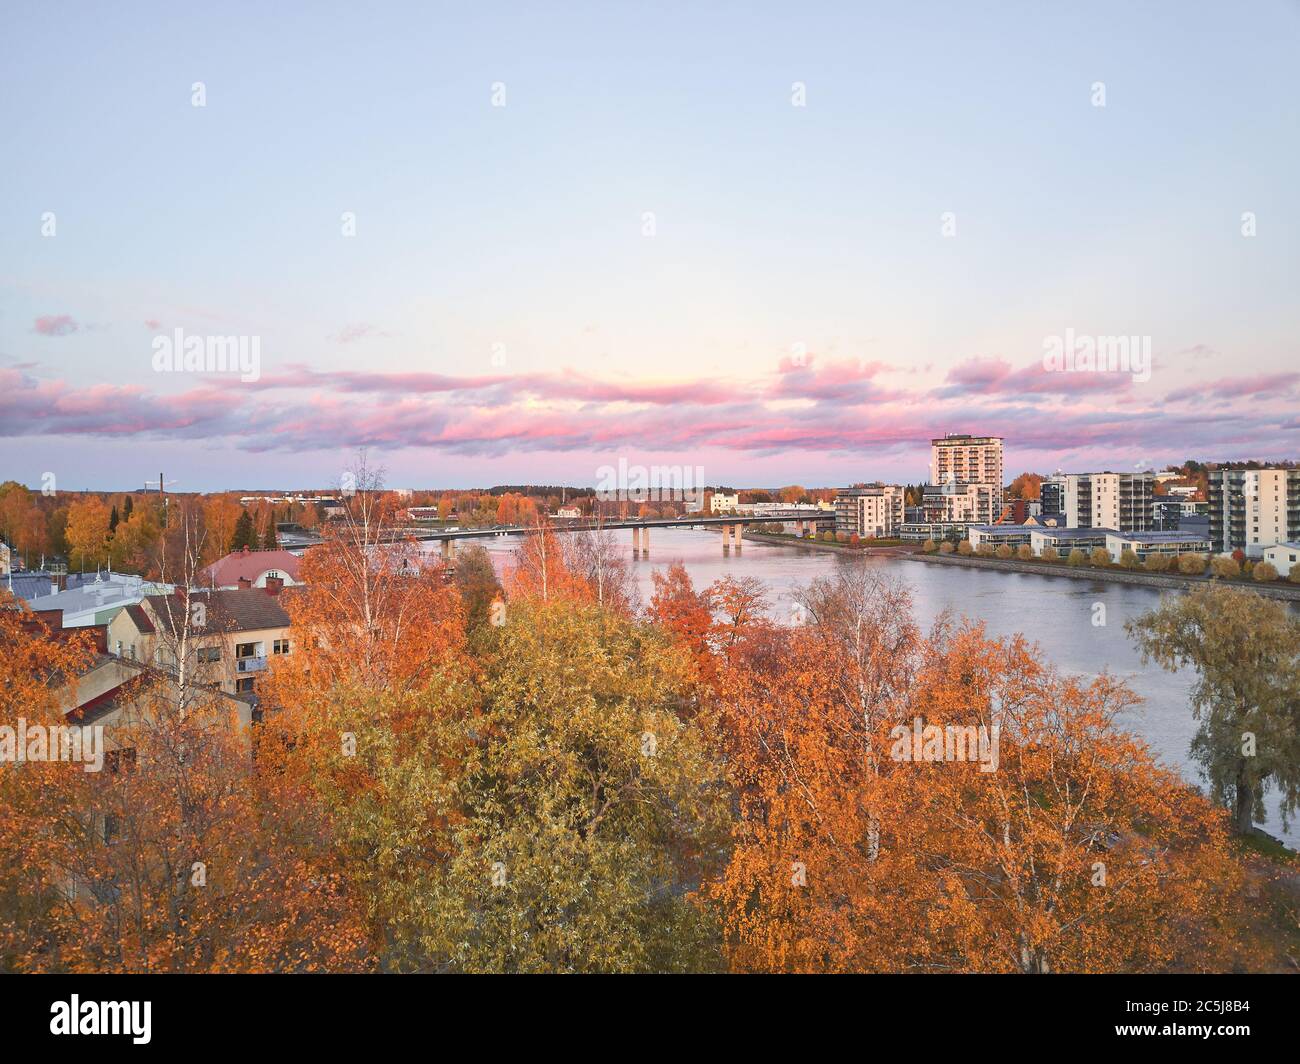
(1144, 544)
(1282, 556)
(720, 503)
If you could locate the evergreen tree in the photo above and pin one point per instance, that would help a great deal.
(244, 535)
(127, 506)
(113, 520)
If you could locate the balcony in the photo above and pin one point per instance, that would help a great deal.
(250, 664)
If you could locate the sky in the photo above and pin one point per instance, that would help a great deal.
(513, 243)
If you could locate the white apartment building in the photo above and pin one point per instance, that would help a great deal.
(963, 459)
(949, 502)
(875, 510)
(720, 503)
(1252, 509)
(1121, 501)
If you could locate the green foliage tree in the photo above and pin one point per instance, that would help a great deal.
(244, 535)
(592, 808)
(1245, 650)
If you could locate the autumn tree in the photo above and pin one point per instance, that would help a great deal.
(87, 532)
(1073, 853)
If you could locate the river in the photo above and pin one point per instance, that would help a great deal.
(1054, 612)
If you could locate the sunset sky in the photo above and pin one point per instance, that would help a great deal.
(501, 314)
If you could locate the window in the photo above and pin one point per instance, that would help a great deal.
(272, 574)
(209, 654)
(121, 760)
(248, 650)
(243, 684)
(280, 646)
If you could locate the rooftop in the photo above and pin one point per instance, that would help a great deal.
(249, 565)
(1179, 536)
(234, 610)
(1074, 533)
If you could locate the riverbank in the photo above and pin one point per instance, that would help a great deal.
(892, 550)
(1167, 581)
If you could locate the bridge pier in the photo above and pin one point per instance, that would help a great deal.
(645, 542)
(448, 550)
(739, 532)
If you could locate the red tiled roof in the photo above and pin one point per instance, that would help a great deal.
(249, 565)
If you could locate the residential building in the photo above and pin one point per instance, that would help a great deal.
(966, 459)
(871, 511)
(997, 535)
(919, 531)
(6, 558)
(1121, 501)
(1067, 539)
(721, 503)
(421, 513)
(970, 502)
(568, 513)
(1168, 514)
(234, 633)
(1252, 509)
(98, 599)
(1282, 556)
(30, 584)
(1051, 493)
(1145, 544)
(253, 568)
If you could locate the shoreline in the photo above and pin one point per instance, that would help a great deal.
(1168, 581)
(1165, 581)
(892, 551)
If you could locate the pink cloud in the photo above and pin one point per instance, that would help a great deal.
(302, 411)
(1276, 384)
(54, 325)
(994, 376)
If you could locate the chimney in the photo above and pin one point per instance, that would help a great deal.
(244, 582)
(274, 584)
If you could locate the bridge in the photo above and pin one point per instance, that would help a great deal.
(731, 529)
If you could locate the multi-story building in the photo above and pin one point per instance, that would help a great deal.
(1051, 492)
(873, 510)
(229, 636)
(1251, 509)
(1121, 501)
(950, 501)
(966, 459)
(722, 503)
